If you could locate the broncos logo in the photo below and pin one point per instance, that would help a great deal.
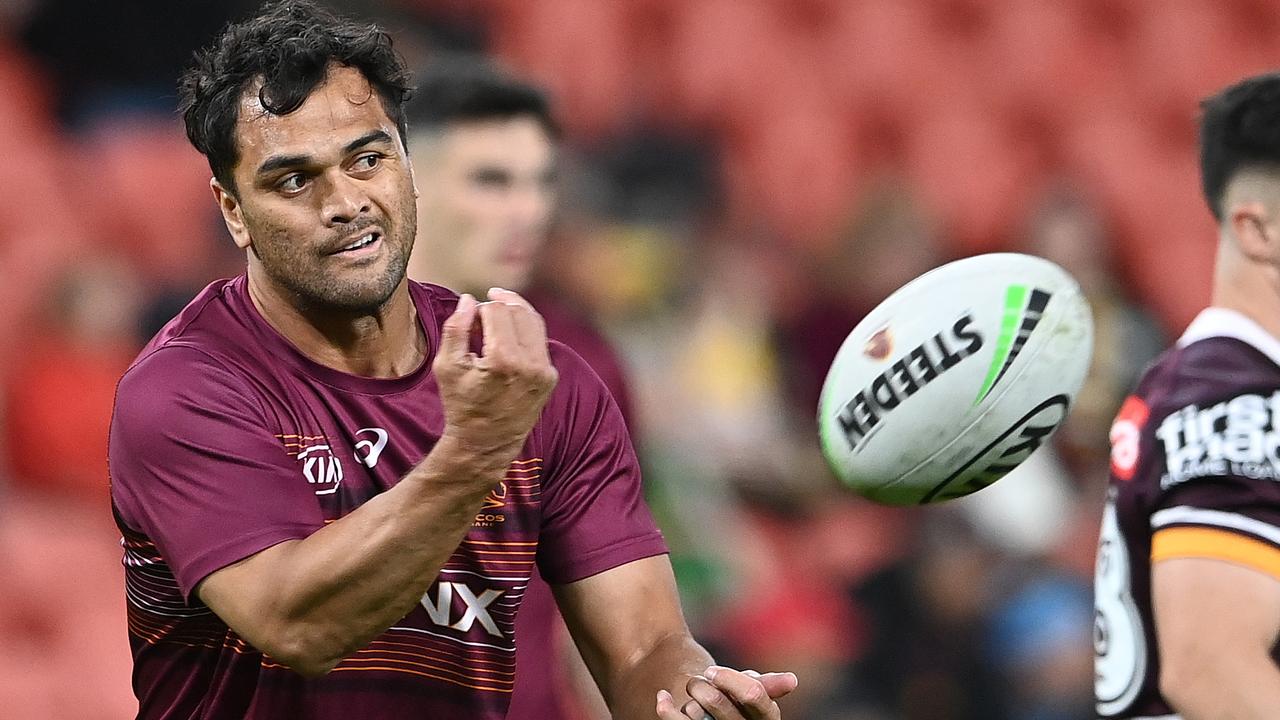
(496, 498)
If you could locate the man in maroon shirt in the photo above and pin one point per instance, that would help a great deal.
(333, 483)
(1187, 592)
(484, 147)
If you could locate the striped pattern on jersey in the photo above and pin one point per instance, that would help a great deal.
(1189, 532)
(155, 608)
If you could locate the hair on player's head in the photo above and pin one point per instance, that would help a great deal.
(1239, 130)
(285, 51)
(470, 89)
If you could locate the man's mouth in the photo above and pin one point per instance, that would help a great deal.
(367, 240)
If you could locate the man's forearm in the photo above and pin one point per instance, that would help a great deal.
(1245, 688)
(668, 665)
(339, 588)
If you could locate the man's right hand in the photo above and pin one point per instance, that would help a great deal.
(311, 602)
(492, 400)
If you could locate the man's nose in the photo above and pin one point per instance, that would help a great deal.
(345, 201)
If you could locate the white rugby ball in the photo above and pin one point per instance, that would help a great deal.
(955, 379)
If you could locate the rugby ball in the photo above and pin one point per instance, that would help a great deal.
(955, 379)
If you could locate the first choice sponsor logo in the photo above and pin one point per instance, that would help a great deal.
(905, 377)
(1240, 436)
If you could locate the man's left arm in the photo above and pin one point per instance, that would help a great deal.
(628, 624)
(601, 551)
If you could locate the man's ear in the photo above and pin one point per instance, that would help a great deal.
(1255, 230)
(232, 214)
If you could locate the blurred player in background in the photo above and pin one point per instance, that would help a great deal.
(484, 150)
(333, 482)
(1188, 576)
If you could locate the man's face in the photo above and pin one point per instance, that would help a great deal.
(488, 190)
(325, 196)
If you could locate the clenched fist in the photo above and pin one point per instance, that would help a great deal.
(492, 399)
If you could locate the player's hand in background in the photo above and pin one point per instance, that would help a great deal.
(721, 693)
(493, 399)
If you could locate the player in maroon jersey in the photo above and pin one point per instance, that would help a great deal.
(333, 483)
(1188, 576)
(484, 147)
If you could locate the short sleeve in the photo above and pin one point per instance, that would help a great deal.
(594, 514)
(196, 467)
(1219, 496)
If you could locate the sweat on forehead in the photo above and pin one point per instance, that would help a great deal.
(342, 107)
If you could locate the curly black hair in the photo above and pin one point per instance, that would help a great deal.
(287, 48)
(1239, 130)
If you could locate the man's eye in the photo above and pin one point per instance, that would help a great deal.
(368, 162)
(293, 183)
(492, 179)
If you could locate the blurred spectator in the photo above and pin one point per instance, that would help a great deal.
(927, 619)
(1028, 514)
(58, 398)
(1041, 643)
(890, 240)
(1067, 228)
(42, 226)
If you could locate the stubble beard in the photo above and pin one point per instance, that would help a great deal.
(313, 289)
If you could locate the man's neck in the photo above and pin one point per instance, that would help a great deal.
(387, 343)
(1250, 289)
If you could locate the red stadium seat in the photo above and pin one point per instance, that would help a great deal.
(148, 192)
(577, 48)
(1043, 58)
(41, 229)
(728, 56)
(1172, 240)
(976, 175)
(1182, 50)
(65, 655)
(796, 167)
(58, 402)
(1152, 188)
(886, 53)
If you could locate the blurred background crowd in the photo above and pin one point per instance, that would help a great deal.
(741, 181)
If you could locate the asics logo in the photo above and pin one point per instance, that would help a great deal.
(368, 451)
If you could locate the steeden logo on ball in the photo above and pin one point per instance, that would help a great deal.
(955, 379)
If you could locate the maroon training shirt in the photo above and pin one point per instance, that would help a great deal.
(1194, 469)
(543, 688)
(227, 440)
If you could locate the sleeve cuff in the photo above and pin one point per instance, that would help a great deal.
(605, 558)
(1215, 544)
(193, 573)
